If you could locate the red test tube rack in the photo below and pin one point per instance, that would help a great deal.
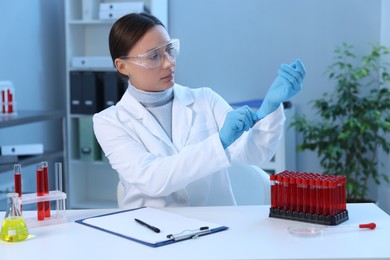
(309, 197)
(7, 98)
(43, 196)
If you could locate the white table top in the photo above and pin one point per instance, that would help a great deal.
(251, 235)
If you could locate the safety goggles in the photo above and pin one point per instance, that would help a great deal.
(154, 58)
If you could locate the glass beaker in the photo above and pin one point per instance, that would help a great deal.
(14, 228)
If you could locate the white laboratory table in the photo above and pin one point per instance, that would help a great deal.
(251, 235)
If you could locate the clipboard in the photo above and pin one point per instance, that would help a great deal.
(173, 227)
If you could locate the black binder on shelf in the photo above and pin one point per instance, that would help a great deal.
(172, 227)
(86, 92)
(91, 93)
(113, 88)
(75, 92)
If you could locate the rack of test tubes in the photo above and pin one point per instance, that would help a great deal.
(7, 102)
(43, 196)
(308, 197)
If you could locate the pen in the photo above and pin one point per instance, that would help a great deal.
(147, 225)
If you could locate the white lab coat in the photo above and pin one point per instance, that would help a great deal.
(190, 170)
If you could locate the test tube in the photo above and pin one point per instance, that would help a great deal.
(40, 189)
(10, 101)
(313, 196)
(298, 181)
(293, 193)
(286, 192)
(45, 168)
(325, 197)
(60, 205)
(279, 180)
(3, 101)
(339, 195)
(344, 193)
(274, 190)
(319, 195)
(306, 195)
(332, 197)
(18, 179)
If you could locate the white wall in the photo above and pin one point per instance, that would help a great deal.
(32, 57)
(384, 190)
(236, 47)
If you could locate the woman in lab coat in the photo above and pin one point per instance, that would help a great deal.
(172, 145)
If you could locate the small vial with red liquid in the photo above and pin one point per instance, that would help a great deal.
(274, 190)
(286, 192)
(45, 168)
(293, 193)
(18, 179)
(40, 192)
(279, 180)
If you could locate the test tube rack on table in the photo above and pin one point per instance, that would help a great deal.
(308, 197)
(58, 217)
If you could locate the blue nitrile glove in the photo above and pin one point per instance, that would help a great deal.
(237, 121)
(287, 84)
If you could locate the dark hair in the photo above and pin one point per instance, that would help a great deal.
(127, 31)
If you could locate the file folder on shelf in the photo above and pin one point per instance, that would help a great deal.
(89, 147)
(173, 227)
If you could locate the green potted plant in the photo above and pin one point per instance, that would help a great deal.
(353, 121)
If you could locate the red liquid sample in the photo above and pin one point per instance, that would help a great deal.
(274, 191)
(40, 189)
(293, 193)
(18, 183)
(46, 190)
(299, 201)
(313, 196)
(287, 195)
(3, 100)
(306, 196)
(325, 198)
(319, 194)
(280, 191)
(10, 105)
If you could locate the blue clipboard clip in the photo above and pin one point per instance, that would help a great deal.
(186, 234)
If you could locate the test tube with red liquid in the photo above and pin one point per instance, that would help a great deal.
(10, 101)
(286, 191)
(293, 193)
(45, 168)
(18, 180)
(3, 101)
(319, 196)
(274, 190)
(40, 192)
(279, 180)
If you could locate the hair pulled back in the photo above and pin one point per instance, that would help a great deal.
(127, 31)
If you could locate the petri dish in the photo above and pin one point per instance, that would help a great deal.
(305, 231)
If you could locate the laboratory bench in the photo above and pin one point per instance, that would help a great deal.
(251, 234)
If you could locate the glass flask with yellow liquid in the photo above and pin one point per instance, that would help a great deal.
(14, 228)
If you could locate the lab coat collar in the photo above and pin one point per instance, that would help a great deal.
(181, 116)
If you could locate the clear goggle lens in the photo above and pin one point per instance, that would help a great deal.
(154, 57)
